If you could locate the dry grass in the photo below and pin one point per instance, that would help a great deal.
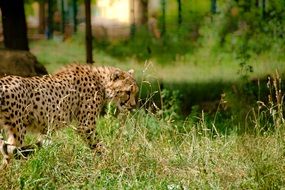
(144, 152)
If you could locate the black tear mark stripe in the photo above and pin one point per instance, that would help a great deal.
(125, 102)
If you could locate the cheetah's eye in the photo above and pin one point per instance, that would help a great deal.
(128, 92)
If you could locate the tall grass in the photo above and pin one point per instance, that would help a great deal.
(146, 150)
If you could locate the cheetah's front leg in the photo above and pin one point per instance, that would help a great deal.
(7, 151)
(86, 118)
(89, 135)
(11, 147)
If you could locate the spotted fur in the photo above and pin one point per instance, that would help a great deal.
(77, 92)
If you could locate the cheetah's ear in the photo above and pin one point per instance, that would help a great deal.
(115, 76)
(131, 72)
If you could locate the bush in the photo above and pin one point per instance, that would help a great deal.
(244, 20)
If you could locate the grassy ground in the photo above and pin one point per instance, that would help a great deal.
(146, 150)
(202, 66)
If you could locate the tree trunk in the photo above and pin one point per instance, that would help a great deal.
(42, 22)
(88, 31)
(213, 6)
(74, 16)
(14, 24)
(62, 27)
(256, 3)
(263, 7)
(163, 24)
(50, 19)
(179, 12)
(133, 19)
(144, 11)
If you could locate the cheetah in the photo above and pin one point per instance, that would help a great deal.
(75, 93)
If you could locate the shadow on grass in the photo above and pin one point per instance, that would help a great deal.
(209, 97)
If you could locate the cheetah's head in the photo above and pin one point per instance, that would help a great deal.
(123, 89)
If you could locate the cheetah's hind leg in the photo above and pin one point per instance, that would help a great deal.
(25, 151)
(8, 150)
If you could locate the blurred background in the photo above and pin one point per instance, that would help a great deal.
(199, 50)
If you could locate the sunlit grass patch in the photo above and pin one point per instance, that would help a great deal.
(202, 66)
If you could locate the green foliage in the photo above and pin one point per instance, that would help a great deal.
(28, 9)
(261, 28)
(176, 40)
(239, 27)
(171, 105)
(243, 57)
(143, 46)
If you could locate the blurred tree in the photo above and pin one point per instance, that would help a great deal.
(14, 24)
(133, 19)
(50, 19)
(213, 6)
(152, 25)
(144, 11)
(62, 27)
(263, 5)
(256, 3)
(88, 31)
(163, 24)
(42, 20)
(14, 62)
(74, 15)
(179, 12)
